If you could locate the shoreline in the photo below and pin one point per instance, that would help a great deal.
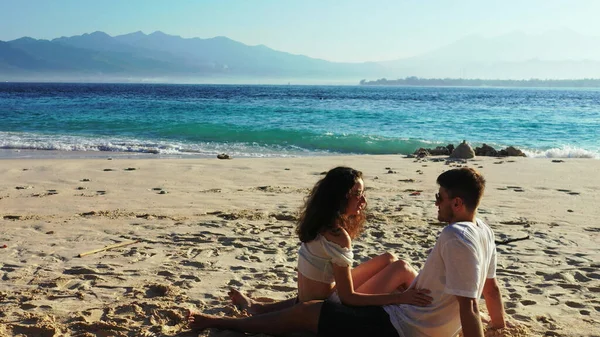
(205, 225)
(7, 154)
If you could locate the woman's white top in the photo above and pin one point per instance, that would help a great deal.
(316, 259)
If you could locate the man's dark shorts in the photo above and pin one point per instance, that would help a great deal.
(337, 319)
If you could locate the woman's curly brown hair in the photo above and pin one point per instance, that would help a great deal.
(325, 206)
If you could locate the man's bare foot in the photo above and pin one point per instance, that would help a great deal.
(243, 302)
(199, 321)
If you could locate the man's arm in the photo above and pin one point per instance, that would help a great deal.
(469, 317)
(493, 302)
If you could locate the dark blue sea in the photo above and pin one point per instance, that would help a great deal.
(282, 121)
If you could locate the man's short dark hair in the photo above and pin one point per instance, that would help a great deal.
(465, 183)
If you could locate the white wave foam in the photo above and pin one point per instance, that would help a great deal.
(28, 141)
(563, 152)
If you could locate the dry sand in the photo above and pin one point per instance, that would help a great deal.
(205, 225)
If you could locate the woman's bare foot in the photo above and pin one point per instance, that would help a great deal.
(199, 321)
(243, 302)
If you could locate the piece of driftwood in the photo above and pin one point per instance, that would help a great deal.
(116, 245)
(507, 241)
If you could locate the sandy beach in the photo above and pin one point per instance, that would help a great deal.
(193, 228)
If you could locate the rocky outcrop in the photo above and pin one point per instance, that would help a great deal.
(463, 151)
(511, 152)
(438, 151)
(486, 150)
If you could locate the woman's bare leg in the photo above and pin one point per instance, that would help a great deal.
(361, 275)
(254, 307)
(301, 317)
(396, 276)
(368, 269)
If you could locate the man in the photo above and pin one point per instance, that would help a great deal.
(460, 268)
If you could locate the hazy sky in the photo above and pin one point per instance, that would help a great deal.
(335, 30)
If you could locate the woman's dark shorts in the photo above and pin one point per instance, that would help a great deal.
(337, 319)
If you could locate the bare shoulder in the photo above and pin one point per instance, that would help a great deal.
(338, 236)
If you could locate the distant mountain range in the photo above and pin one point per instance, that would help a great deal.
(159, 57)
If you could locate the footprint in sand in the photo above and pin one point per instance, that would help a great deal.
(522, 318)
(535, 291)
(569, 286)
(550, 252)
(593, 275)
(573, 304)
(192, 278)
(165, 273)
(528, 302)
(581, 278)
(235, 283)
(516, 188)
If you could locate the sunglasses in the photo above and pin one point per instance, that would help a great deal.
(438, 198)
(358, 194)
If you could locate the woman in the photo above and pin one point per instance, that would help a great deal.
(331, 218)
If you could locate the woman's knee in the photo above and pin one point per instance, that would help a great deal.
(403, 266)
(388, 257)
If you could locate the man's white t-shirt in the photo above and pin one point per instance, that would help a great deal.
(461, 260)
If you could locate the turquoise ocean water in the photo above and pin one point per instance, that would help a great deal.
(277, 121)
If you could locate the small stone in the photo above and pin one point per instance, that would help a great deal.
(50, 232)
(570, 210)
(223, 156)
(162, 192)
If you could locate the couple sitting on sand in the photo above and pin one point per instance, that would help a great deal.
(381, 297)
